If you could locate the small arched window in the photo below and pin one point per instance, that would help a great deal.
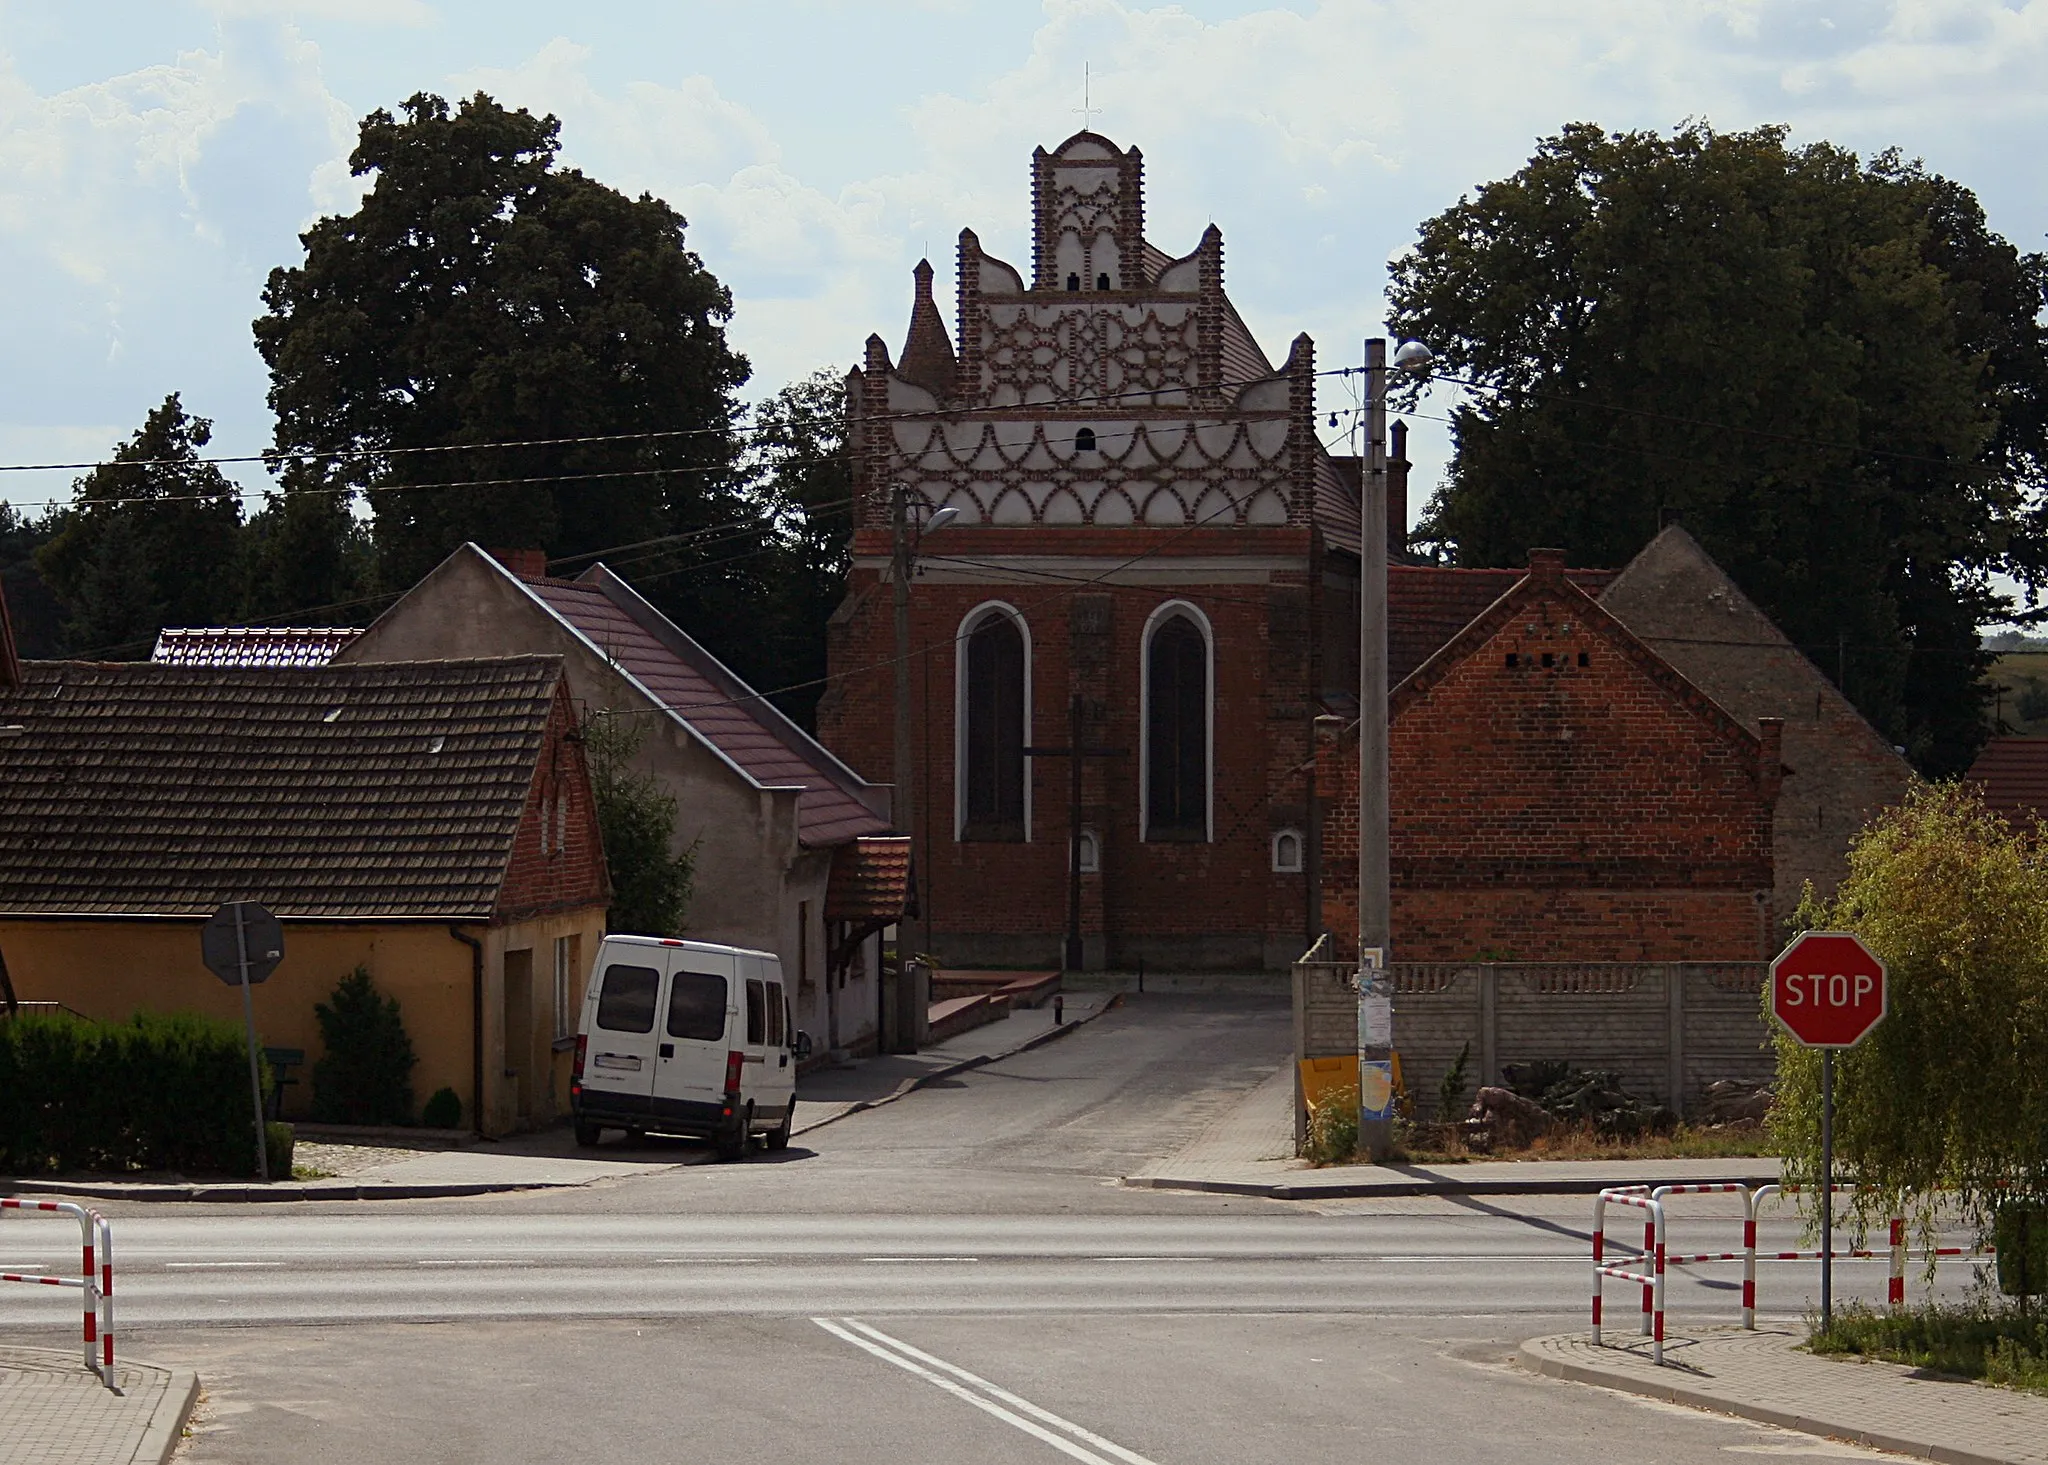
(1073, 284)
(1102, 282)
(992, 767)
(1091, 853)
(1177, 730)
(1287, 852)
(1084, 440)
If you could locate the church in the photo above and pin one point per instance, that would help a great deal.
(1135, 636)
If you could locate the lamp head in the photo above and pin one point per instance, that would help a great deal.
(1413, 357)
(941, 517)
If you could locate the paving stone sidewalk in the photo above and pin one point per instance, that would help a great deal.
(54, 1412)
(1764, 1376)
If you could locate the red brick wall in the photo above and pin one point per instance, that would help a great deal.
(1595, 812)
(542, 877)
(1181, 904)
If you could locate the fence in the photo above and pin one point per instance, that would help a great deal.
(96, 1281)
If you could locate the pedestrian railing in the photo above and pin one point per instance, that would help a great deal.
(1651, 1260)
(95, 1280)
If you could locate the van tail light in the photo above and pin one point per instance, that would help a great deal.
(576, 1069)
(733, 1063)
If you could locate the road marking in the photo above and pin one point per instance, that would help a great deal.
(474, 1262)
(913, 1360)
(216, 1266)
(1156, 1258)
(920, 1258)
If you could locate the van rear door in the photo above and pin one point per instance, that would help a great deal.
(618, 1069)
(759, 1082)
(689, 1081)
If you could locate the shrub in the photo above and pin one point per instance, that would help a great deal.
(1333, 1126)
(158, 1092)
(443, 1111)
(365, 1077)
(278, 1141)
(1450, 1093)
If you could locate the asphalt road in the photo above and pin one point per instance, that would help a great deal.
(952, 1276)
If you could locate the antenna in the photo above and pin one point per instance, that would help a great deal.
(1086, 109)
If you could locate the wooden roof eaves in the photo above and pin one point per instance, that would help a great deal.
(1488, 622)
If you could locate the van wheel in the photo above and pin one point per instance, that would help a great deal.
(587, 1132)
(778, 1137)
(733, 1144)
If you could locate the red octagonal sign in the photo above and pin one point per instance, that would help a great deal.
(1828, 990)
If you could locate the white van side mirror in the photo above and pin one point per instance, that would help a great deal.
(802, 1046)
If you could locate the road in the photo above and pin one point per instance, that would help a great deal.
(955, 1275)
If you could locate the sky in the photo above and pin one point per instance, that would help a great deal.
(159, 157)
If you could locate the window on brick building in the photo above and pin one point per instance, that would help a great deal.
(992, 731)
(1287, 852)
(1177, 727)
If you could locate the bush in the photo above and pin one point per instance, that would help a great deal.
(365, 1077)
(443, 1111)
(1333, 1126)
(2001, 1345)
(1450, 1093)
(278, 1141)
(158, 1092)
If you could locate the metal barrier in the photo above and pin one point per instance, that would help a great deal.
(1652, 1258)
(1896, 1251)
(96, 1280)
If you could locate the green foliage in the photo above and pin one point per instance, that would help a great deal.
(2032, 702)
(443, 1110)
(2000, 1345)
(1450, 1092)
(650, 884)
(278, 1141)
(482, 293)
(1950, 1091)
(1832, 371)
(152, 538)
(365, 1076)
(1333, 1127)
(159, 1092)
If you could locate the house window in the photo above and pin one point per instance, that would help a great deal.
(1084, 442)
(1176, 726)
(567, 949)
(1102, 282)
(1287, 852)
(1073, 285)
(803, 948)
(992, 732)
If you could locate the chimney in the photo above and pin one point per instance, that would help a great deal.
(10, 664)
(1546, 564)
(527, 564)
(1397, 494)
(1770, 778)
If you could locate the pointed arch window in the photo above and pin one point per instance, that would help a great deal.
(1177, 743)
(994, 708)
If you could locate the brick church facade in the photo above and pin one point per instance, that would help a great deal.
(1152, 545)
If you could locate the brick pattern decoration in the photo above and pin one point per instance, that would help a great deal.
(557, 861)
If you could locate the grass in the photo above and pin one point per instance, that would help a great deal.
(1335, 1143)
(2006, 1346)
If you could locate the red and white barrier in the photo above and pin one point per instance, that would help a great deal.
(1651, 1278)
(95, 1280)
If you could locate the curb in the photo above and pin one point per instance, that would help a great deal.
(1678, 1393)
(311, 1191)
(1398, 1189)
(924, 1080)
(167, 1423)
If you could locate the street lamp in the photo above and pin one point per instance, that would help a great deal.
(1375, 897)
(909, 521)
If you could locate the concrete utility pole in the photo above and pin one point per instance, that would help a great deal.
(903, 801)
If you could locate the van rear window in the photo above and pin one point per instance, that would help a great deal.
(775, 1039)
(696, 1006)
(625, 1003)
(757, 1014)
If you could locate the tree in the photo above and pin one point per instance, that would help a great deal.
(482, 294)
(1832, 371)
(308, 560)
(151, 538)
(637, 818)
(1950, 1091)
(365, 1076)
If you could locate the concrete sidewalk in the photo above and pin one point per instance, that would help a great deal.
(1250, 1152)
(1765, 1376)
(54, 1412)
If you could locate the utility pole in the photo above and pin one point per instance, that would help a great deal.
(1375, 915)
(1075, 750)
(909, 934)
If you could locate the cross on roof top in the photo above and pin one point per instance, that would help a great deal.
(1086, 109)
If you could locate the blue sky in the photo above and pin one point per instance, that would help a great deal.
(158, 157)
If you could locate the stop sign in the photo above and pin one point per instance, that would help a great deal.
(1828, 990)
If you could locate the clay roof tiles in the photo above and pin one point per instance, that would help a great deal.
(251, 645)
(870, 881)
(2011, 775)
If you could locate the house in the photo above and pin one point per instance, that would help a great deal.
(768, 813)
(430, 821)
(2011, 776)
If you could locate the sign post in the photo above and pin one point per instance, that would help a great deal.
(1829, 990)
(242, 943)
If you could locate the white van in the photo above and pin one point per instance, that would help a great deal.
(683, 1037)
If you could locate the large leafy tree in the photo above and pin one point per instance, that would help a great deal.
(1832, 371)
(482, 293)
(152, 538)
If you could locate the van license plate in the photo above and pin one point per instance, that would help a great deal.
(618, 1060)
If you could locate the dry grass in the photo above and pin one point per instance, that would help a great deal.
(1430, 1144)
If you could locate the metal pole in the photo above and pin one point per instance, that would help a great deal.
(1073, 962)
(907, 934)
(1375, 917)
(249, 1021)
(1827, 1188)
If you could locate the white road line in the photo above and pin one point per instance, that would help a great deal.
(473, 1262)
(216, 1266)
(876, 1342)
(920, 1258)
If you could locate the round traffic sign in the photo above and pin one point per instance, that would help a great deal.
(1828, 989)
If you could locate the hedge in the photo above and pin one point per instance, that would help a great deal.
(158, 1092)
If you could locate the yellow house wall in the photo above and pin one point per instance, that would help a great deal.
(111, 969)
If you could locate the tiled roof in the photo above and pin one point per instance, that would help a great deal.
(2012, 776)
(251, 645)
(870, 882)
(389, 790)
(1338, 493)
(728, 714)
(1428, 605)
(1239, 354)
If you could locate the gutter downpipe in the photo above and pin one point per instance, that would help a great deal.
(476, 1024)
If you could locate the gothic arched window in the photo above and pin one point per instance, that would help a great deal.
(992, 714)
(1177, 728)
(1084, 440)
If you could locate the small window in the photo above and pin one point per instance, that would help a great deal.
(775, 1037)
(696, 1007)
(626, 1003)
(1287, 852)
(1513, 660)
(1101, 283)
(757, 1013)
(1091, 853)
(1584, 660)
(1084, 442)
(1073, 287)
